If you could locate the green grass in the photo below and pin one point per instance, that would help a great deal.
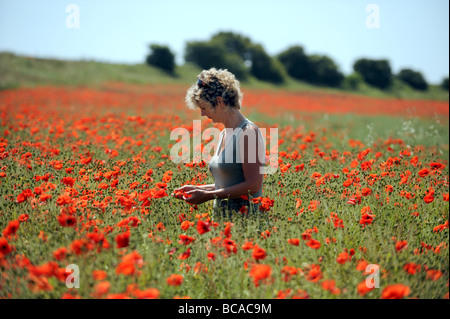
(20, 71)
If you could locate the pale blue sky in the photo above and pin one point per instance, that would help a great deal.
(412, 33)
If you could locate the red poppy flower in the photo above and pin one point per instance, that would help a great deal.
(12, 228)
(203, 227)
(66, 220)
(258, 253)
(260, 273)
(186, 240)
(366, 191)
(400, 245)
(123, 240)
(5, 248)
(314, 244)
(185, 255)
(396, 291)
(343, 258)
(174, 280)
(314, 274)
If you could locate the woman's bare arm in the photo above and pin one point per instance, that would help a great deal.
(208, 187)
(250, 166)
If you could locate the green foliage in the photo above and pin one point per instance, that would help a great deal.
(413, 78)
(213, 54)
(234, 52)
(234, 44)
(161, 57)
(324, 71)
(264, 67)
(315, 69)
(296, 62)
(375, 72)
(353, 81)
(444, 84)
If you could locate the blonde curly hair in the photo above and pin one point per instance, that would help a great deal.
(213, 83)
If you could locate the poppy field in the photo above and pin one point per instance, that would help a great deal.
(358, 206)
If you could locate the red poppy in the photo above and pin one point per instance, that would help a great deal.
(68, 181)
(203, 227)
(211, 256)
(434, 274)
(185, 255)
(428, 198)
(23, 218)
(66, 220)
(396, 291)
(343, 258)
(400, 245)
(314, 244)
(185, 225)
(314, 274)
(366, 219)
(330, 285)
(260, 273)
(5, 248)
(149, 293)
(99, 275)
(424, 172)
(258, 253)
(12, 228)
(123, 240)
(60, 253)
(306, 236)
(411, 268)
(366, 191)
(362, 288)
(174, 280)
(186, 240)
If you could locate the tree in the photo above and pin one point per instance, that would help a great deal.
(444, 84)
(353, 81)
(208, 54)
(324, 71)
(234, 43)
(413, 78)
(375, 72)
(296, 62)
(161, 57)
(263, 67)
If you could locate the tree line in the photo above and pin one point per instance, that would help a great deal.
(241, 56)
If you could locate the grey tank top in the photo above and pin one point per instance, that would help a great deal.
(226, 166)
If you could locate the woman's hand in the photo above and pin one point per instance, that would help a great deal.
(179, 193)
(197, 196)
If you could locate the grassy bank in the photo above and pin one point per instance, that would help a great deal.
(20, 71)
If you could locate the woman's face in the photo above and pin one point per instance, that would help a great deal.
(207, 110)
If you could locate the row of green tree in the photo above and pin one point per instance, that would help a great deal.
(241, 56)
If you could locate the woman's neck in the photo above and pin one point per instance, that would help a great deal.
(233, 119)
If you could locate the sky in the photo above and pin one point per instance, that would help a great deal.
(409, 33)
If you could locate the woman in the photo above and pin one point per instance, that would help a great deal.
(237, 163)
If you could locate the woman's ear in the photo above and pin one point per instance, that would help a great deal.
(220, 102)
